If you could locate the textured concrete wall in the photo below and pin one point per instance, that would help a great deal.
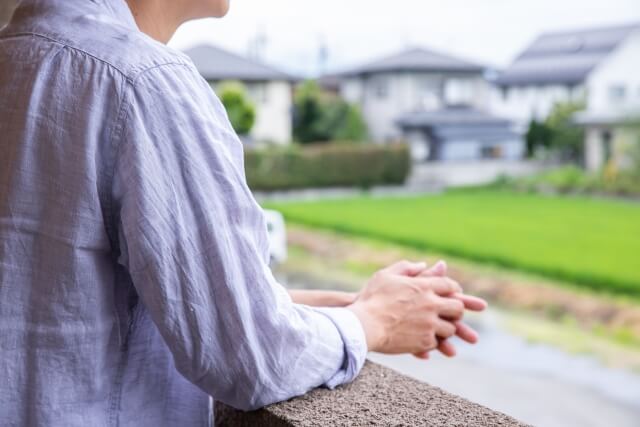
(379, 397)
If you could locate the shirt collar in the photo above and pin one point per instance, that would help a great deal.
(120, 11)
(116, 10)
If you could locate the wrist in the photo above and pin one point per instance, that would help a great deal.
(344, 299)
(374, 334)
(319, 298)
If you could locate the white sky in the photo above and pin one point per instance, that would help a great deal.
(489, 31)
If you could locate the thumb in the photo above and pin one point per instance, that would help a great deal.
(439, 269)
(407, 268)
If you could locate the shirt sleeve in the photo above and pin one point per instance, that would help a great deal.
(195, 243)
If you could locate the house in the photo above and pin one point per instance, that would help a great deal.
(612, 115)
(460, 133)
(433, 100)
(413, 79)
(598, 67)
(271, 90)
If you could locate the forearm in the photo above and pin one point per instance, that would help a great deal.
(294, 349)
(317, 298)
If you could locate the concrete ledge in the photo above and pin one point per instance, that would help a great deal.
(378, 397)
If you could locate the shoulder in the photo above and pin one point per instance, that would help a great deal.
(133, 53)
(92, 31)
(126, 50)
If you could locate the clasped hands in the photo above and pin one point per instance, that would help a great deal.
(409, 308)
(406, 308)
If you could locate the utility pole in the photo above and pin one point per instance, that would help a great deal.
(323, 55)
(258, 45)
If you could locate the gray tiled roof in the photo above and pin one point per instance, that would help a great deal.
(415, 59)
(459, 116)
(460, 124)
(564, 57)
(218, 64)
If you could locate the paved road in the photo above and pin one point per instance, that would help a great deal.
(537, 384)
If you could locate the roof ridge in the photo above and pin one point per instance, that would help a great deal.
(238, 56)
(565, 57)
(431, 51)
(382, 62)
(587, 30)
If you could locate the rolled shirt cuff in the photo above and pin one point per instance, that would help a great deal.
(355, 344)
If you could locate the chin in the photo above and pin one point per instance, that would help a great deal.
(221, 8)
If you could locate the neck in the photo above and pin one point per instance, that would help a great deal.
(159, 19)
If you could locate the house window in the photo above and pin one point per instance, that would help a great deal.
(491, 152)
(459, 91)
(617, 93)
(258, 92)
(504, 91)
(381, 88)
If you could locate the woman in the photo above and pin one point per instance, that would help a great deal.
(134, 281)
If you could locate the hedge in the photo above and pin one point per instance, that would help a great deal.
(327, 165)
(573, 180)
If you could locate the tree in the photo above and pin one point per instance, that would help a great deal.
(241, 111)
(558, 133)
(566, 138)
(346, 121)
(309, 114)
(538, 136)
(324, 117)
(633, 127)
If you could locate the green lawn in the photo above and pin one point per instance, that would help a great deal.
(590, 242)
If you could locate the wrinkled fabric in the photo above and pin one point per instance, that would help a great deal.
(134, 278)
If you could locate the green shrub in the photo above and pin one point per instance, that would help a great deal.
(241, 112)
(538, 136)
(571, 179)
(565, 137)
(558, 133)
(327, 165)
(320, 116)
(624, 184)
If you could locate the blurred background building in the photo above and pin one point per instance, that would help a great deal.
(436, 102)
(270, 89)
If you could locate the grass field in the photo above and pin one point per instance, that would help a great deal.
(590, 242)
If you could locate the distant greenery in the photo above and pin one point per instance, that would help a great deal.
(557, 133)
(633, 126)
(241, 111)
(324, 117)
(572, 179)
(589, 242)
(326, 165)
(538, 136)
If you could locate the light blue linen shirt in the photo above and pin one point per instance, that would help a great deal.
(134, 278)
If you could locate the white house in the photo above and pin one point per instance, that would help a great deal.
(596, 66)
(613, 102)
(431, 99)
(271, 90)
